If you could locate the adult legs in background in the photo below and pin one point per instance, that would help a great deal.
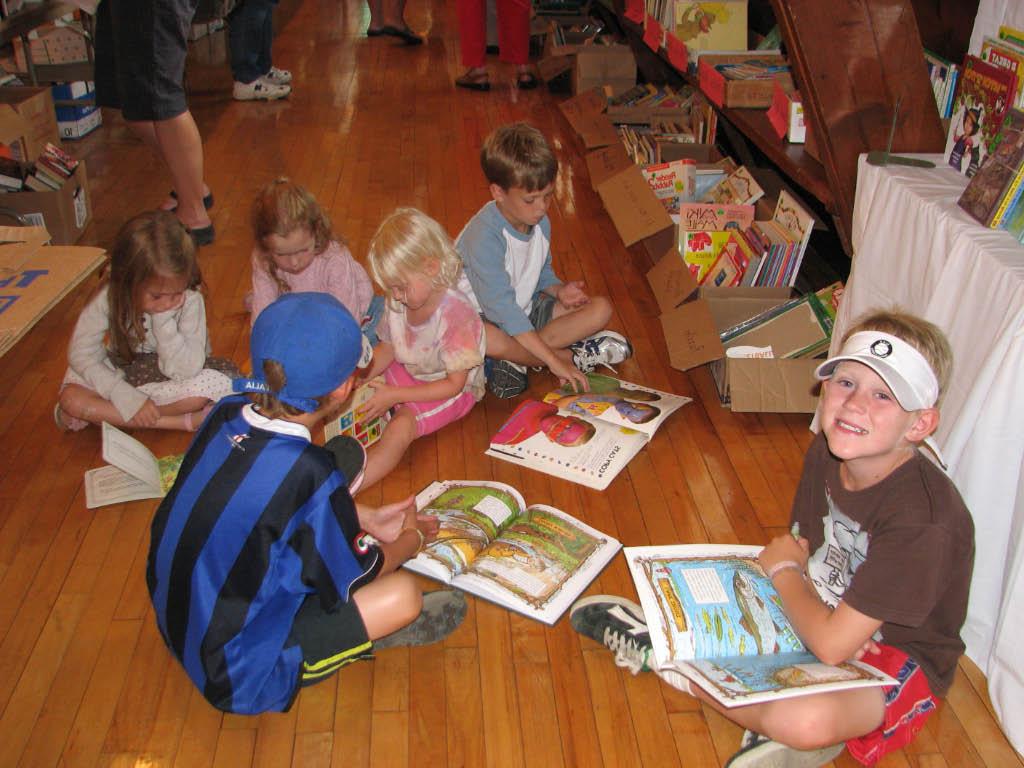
(513, 41)
(140, 67)
(387, 17)
(250, 39)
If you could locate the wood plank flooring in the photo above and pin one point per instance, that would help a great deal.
(84, 677)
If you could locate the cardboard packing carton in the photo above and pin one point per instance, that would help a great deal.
(81, 116)
(27, 120)
(634, 209)
(64, 212)
(585, 113)
(558, 58)
(604, 65)
(754, 92)
(692, 319)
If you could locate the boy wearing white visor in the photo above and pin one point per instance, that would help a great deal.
(882, 570)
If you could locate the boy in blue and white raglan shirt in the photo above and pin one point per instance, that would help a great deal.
(261, 571)
(532, 318)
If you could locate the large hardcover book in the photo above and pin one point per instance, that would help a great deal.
(585, 437)
(716, 619)
(990, 191)
(984, 95)
(535, 560)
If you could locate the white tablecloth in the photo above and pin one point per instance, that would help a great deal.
(914, 247)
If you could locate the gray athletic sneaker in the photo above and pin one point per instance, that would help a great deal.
(507, 379)
(618, 624)
(443, 611)
(757, 751)
(349, 458)
(605, 348)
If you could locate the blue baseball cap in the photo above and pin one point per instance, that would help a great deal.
(315, 340)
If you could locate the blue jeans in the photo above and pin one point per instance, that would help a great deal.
(250, 35)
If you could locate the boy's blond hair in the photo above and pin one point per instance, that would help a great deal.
(923, 336)
(518, 155)
(406, 242)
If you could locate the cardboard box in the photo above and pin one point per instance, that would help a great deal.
(604, 65)
(692, 319)
(633, 207)
(64, 212)
(754, 92)
(36, 122)
(76, 120)
(52, 44)
(585, 113)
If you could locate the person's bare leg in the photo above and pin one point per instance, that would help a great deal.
(570, 325)
(388, 603)
(83, 403)
(181, 149)
(144, 130)
(384, 455)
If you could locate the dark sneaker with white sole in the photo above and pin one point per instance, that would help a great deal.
(605, 348)
(619, 625)
(442, 613)
(506, 379)
(349, 458)
(757, 751)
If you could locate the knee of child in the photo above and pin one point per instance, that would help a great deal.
(408, 598)
(602, 309)
(808, 727)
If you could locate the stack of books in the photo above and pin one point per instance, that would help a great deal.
(778, 244)
(995, 194)
(12, 175)
(51, 169)
(943, 74)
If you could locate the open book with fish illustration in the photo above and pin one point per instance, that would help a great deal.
(585, 437)
(535, 560)
(715, 618)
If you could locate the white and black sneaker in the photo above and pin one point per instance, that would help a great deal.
(277, 76)
(259, 90)
(757, 751)
(506, 379)
(606, 348)
(618, 624)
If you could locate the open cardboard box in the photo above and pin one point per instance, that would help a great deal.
(633, 207)
(27, 120)
(692, 319)
(754, 92)
(65, 212)
(585, 113)
(613, 66)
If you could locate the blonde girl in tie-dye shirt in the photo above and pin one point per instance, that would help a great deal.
(431, 348)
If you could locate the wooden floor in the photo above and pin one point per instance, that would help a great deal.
(84, 676)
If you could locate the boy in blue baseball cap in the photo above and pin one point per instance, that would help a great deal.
(265, 576)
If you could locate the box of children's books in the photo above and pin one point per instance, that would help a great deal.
(716, 619)
(585, 437)
(535, 560)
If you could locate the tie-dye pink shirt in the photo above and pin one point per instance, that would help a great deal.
(451, 340)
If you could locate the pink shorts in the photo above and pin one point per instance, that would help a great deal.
(907, 706)
(430, 415)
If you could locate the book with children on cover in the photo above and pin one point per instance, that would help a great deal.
(585, 437)
(133, 472)
(534, 560)
(716, 619)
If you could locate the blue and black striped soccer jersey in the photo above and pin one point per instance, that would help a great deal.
(257, 520)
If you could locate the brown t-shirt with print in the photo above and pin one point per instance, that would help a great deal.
(900, 551)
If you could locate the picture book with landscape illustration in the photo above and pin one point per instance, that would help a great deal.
(715, 618)
(535, 560)
(585, 437)
(133, 472)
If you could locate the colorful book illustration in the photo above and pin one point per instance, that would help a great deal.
(133, 472)
(711, 26)
(585, 437)
(809, 320)
(673, 182)
(352, 423)
(1007, 55)
(738, 188)
(984, 95)
(990, 192)
(534, 560)
(715, 618)
(694, 217)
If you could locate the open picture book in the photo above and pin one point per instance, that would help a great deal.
(715, 618)
(534, 560)
(133, 472)
(585, 437)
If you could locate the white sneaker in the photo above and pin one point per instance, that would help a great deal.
(277, 76)
(260, 90)
(606, 348)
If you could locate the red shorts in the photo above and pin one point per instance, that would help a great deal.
(907, 706)
(430, 416)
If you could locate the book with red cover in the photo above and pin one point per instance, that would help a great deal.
(984, 95)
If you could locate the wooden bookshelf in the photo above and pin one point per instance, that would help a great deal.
(851, 61)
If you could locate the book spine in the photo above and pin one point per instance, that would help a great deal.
(1007, 200)
(1007, 221)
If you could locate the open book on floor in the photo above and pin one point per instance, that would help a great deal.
(585, 437)
(715, 618)
(132, 473)
(534, 560)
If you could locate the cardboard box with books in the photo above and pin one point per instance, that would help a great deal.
(65, 212)
(585, 113)
(745, 79)
(27, 120)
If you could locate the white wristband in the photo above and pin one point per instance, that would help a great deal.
(783, 565)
